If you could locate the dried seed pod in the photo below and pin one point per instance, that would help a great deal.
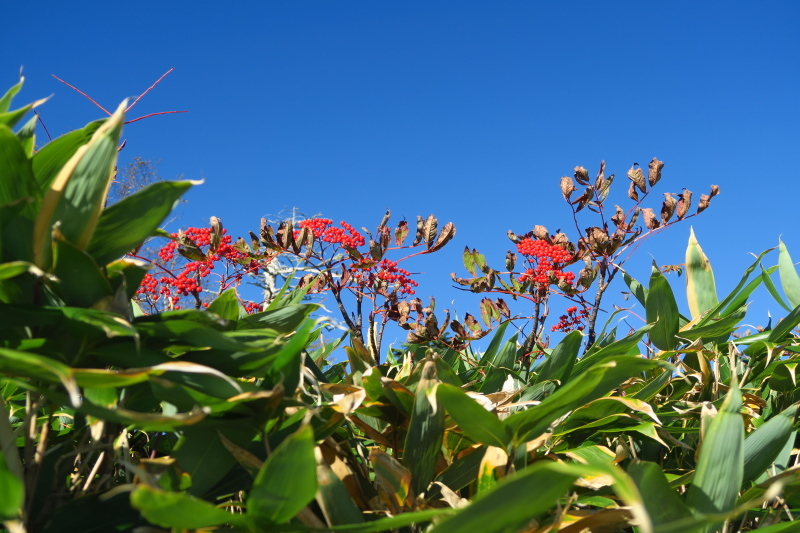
(582, 175)
(650, 218)
(567, 187)
(668, 207)
(684, 203)
(654, 172)
(636, 175)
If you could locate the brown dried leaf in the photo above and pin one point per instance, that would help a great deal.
(458, 329)
(684, 203)
(582, 175)
(447, 233)
(705, 200)
(502, 306)
(429, 230)
(420, 231)
(385, 237)
(267, 233)
(632, 194)
(513, 237)
(584, 199)
(619, 217)
(384, 220)
(400, 233)
(636, 175)
(714, 191)
(668, 207)
(560, 239)
(511, 260)
(375, 250)
(567, 187)
(601, 175)
(654, 171)
(472, 324)
(541, 233)
(650, 218)
(216, 234)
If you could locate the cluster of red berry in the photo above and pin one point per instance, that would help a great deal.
(573, 320)
(322, 229)
(546, 259)
(387, 271)
(175, 284)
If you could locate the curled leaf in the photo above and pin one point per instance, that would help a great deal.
(540, 232)
(216, 233)
(632, 194)
(447, 233)
(567, 187)
(636, 175)
(400, 233)
(654, 171)
(650, 218)
(582, 175)
(684, 203)
(668, 207)
(420, 231)
(429, 230)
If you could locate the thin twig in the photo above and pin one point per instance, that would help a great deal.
(154, 114)
(149, 89)
(82, 93)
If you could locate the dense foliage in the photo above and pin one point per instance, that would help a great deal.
(125, 412)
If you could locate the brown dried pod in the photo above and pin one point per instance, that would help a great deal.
(668, 207)
(636, 175)
(650, 218)
(632, 194)
(582, 175)
(567, 187)
(654, 171)
(540, 232)
(684, 203)
(619, 217)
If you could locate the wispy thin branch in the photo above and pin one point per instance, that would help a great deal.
(149, 89)
(83, 93)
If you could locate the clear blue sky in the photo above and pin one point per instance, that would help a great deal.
(468, 110)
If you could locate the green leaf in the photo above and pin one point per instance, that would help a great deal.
(558, 365)
(516, 501)
(622, 346)
(27, 136)
(181, 511)
(720, 468)
(763, 446)
(790, 281)
(472, 418)
(15, 167)
(12, 489)
(128, 223)
(662, 503)
(662, 310)
(499, 366)
(716, 328)
(8, 97)
(288, 480)
(701, 291)
(227, 305)
(54, 155)
(594, 383)
(637, 289)
(423, 442)
(82, 284)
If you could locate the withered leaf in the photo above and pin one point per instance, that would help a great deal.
(469, 260)
(636, 175)
(654, 171)
(668, 207)
(384, 220)
(584, 199)
(560, 239)
(241, 246)
(254, 240)
(567, 187)
(619, 217)
(540, 232)
(189, 249)
(714, 191)
(267, 233)
(400, 233)
(502, 307)
(513, 237)
(472, 324)
(375, 250)
(420, 231)
(632, 194)
(582, 175)
(461, 281)
(705, 200)
(511, 260)
(429, 230)
(650, 218)
(684, 203)
(447, 233)
(601, 175)
(458, 329)
(216, 234)
(385, 237)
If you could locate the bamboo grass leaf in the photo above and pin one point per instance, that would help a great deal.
(790, 281)
(701, 291)
(425, 432)
(472, 418)
(662, 310)
(763, 446)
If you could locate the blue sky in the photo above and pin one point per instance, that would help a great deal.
(468, 110)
